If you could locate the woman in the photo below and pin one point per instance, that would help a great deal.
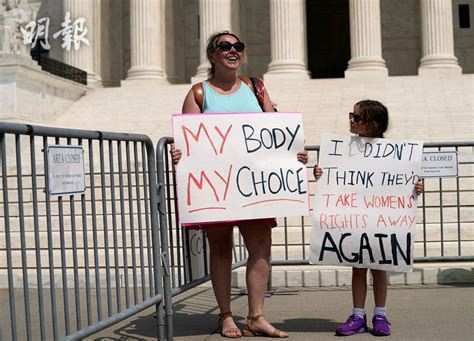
(225, 92)
(369, 119)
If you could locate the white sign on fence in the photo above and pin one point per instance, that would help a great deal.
(240, 166)
(66, 170)
(365, 203)
(439, 164)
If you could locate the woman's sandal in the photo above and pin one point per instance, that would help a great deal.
(249, 332)
(225, 332)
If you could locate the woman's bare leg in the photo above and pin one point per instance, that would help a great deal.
(220, 245)
(258, 240)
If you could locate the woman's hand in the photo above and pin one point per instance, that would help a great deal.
(419, 187)
(317, 172)
(274, 105)
(302, 157)
(175, 154)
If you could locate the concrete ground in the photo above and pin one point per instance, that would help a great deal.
(417, 312)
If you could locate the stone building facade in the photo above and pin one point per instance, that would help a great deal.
(317, 57)
(164, 39)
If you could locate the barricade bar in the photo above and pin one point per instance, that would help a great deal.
(25, 129)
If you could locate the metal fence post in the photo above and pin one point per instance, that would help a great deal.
(156, 237)
(160, 155)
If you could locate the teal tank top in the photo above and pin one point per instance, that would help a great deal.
(243, 100)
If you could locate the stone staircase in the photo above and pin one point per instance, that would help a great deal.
(429, 109)
(424, 108)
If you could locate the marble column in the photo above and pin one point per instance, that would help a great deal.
(366, 39)
(214, 16)
(83, 56)
(147, 41)
(99, 19)
(288, 39)
(437, 37)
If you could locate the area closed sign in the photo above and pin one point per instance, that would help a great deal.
(66, 170)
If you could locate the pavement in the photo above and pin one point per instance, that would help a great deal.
(416, 312)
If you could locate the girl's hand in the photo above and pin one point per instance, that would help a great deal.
(175, 154)
(419, 187)
(302, 157)
(317, 172)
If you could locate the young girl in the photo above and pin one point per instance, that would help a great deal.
(369, 119)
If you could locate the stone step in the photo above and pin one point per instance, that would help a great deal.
(433, 249)
(431, 215)
(293, 235)
(30, 244)
(282, 276)
(432, 210)
(40, 181)
(279, 252)
(418, 106)
(58, 281)
(431, 198)
(28, 210)
(31, 258)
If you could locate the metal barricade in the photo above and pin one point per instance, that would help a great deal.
(291, 239)
(175, 241)
(74, 265)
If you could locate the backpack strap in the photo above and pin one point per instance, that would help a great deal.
(256, 85)
(198, 92)
(259, 90)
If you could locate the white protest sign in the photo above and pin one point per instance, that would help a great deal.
(439, 164)
(66, 170)
(365, 203)
(195, 254)
(240, 166)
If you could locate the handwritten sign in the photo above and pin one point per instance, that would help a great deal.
(439, 164)
(240, 166)
(365, 204)
(66, 170)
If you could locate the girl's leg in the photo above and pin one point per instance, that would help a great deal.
(381, 326)
(380, 287)
(357, 321)
(258, 240)
(220, 245)
(359, 287)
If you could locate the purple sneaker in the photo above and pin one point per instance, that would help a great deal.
(354, 324)
(381, 326)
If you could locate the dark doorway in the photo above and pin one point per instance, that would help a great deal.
(328, 37)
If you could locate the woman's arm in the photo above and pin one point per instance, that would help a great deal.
(189, 105)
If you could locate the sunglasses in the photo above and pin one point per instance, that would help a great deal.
(226, 46)
(356, 117)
